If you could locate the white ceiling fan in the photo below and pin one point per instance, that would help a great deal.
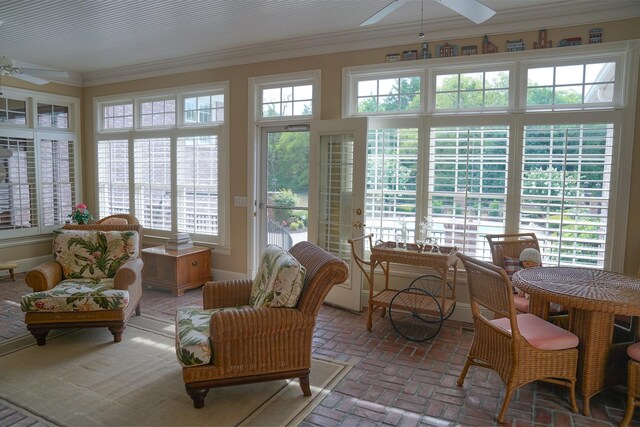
(10, 68)
(470, 9)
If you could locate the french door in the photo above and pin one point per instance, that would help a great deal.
(337, 164)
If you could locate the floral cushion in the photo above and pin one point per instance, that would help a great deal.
(279, 280)
(193, 346)
(85, 254)
(77, 295)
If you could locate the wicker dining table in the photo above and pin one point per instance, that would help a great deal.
(593, 298)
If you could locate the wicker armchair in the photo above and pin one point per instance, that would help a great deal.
(521, 348)
(46, 278)
(511, 245)
(263, 344)
(118, 219)
(633, 383)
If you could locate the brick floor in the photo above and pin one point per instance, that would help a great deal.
(393, 382)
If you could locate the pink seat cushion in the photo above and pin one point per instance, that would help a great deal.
(540, 333)
(633, 351)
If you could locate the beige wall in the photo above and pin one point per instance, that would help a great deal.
(331, 67)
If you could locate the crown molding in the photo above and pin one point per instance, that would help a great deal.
(537, 17)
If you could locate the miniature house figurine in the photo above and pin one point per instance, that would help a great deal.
(595, 35)
(515, 46)
(487, 46)
(542, 40)
(425, 51)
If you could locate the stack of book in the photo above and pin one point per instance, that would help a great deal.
(178, 242)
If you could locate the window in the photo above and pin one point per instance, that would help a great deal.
(113, 184)
(204, 109)
(566, 178)
(473, 90)
(390, 194)
(118, 116)
(571, 85)
(468, 185)
(388, 95)
(505, 162)
(166, 170)
(13, 111)
(54, 116)
(287, 101)
(39, 177)
(158, 113)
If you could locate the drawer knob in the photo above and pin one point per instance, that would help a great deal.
(194, 263)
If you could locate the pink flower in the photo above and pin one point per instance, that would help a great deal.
(81, 206)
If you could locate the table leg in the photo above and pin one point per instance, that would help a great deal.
(595, 331)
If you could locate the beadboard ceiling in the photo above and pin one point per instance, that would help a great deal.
(102, 41)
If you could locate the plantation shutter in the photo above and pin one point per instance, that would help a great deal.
(152, 180)
(566, 180)
(468, 186)
(113, 177)
(197, 182)
(18, 194)
(57, 172)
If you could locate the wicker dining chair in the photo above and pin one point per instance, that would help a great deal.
(633, 383)
(505, 246)
(521, 348)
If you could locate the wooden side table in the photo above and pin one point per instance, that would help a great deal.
(176, 270)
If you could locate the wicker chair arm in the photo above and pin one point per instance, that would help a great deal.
(128, 274)
(226, 293)
(44, 277)
(242, 324)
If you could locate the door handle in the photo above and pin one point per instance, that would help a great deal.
(358, 225)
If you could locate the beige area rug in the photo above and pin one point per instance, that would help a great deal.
(83, 378)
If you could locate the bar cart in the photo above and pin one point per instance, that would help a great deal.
(416, 312)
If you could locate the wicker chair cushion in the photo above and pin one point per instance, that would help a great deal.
(193, 346)
(540, 333)
(93, 254)
(511, 265)
(77, 295)
(522, 303)
(633, 351)
(279, 280)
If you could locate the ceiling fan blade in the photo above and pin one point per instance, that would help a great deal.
(383, 12)
(39, 72)
(30, 79)
(470, 9)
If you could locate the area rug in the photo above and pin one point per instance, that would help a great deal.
(82, 377)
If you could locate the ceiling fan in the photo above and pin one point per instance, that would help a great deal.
(9, 67)
(470, 9)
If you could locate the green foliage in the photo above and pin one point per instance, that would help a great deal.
(284, 198)
(288, 161)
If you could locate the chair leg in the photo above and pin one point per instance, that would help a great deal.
(630, 409)
(116, 331)
(197, 395)
(304, 385)
(505, 404)
(40, 335)
(572, 397)
(463, 374)
(138, 310)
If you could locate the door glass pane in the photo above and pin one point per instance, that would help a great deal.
(287, 187)
(336, 192)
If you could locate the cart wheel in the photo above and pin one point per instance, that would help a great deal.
(433, 284)
(415, 314)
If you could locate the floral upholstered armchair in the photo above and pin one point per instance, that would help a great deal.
(95, 280)
(257, 330)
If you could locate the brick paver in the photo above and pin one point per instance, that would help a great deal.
(393, 382)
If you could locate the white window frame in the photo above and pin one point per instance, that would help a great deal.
(255, 125)
(222, 240)
(621, 112)
(36, 133)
